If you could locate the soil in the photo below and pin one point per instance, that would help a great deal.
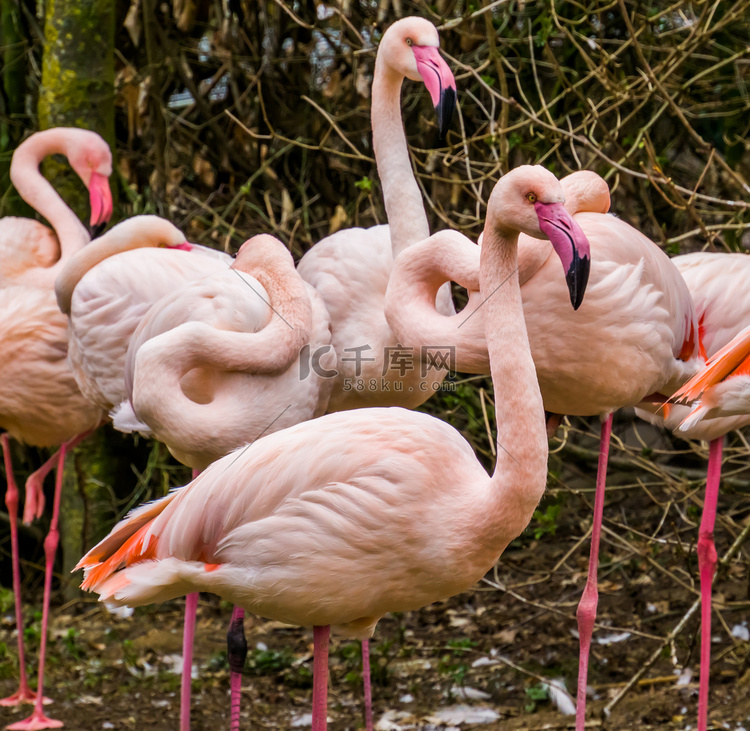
(491, 652)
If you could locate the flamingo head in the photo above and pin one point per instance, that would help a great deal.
(91, 159)
(530, 199)
(410, 47)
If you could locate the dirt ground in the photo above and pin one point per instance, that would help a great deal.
(481, 660)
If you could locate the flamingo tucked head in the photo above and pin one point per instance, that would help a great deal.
(92, 160)
(532, 198)
(411, 46)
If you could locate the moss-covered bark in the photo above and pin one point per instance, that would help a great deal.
(77, 80)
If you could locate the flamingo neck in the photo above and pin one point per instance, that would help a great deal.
(410, 304)
(38, 192)
(519, 478)
(126, 236)
(403, 201)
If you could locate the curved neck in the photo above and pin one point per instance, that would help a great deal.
(403, 200)
(128, 235)
(38, 192)
(412, 291)
(520, 472)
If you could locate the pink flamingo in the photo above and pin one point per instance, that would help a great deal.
(637, 325)
(717, 283)
(40, 403)
(217, 364)
(43, 251)
(351, 268)
(295, 526)
(211, 363)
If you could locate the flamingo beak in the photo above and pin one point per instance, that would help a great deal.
(439, 81)
(101, 203)
(570, 244)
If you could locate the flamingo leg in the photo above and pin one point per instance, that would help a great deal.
(707, 567)
(320, 678)
(38, 719)
(586, 613)
(236, 654)
(33, 506)
(188, 632)
(366, 683)
(24, 694)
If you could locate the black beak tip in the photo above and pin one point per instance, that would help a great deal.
(577, 279)
(445, 108)
(97, 229)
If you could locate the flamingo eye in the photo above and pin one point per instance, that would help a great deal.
(409, 41)
(531, 197)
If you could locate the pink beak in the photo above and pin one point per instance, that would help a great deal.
(570, 244)
(184, 246)
(101, 200)
(439, 81)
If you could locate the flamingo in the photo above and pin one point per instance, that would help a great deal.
(638, 327)
(43, 252)
(338, 520)
(40, 403)
(217, 364)
(213, 364)
(717, 284)
(350, 269)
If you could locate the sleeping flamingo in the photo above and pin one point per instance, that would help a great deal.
(637, 327)
(717, 283)
(40, 403)
(296, 526)
(216, 364)
(30, 253)
(350, 269)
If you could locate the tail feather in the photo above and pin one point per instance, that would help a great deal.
(693, 418)
(732, 358)
(129, 542)
(148, 582)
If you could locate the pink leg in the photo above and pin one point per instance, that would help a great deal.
(587, 607)
(707, 567)
(191, 608)
(366, 682)
(236, 654)
(33, 506)
(38, 719)
(320, 678)
(24, 694)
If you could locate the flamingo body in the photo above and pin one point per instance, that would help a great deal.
(40, 403)
(347, 504)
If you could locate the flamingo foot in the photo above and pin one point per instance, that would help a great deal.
(33, 505)
(37, 720)
(24, 694)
